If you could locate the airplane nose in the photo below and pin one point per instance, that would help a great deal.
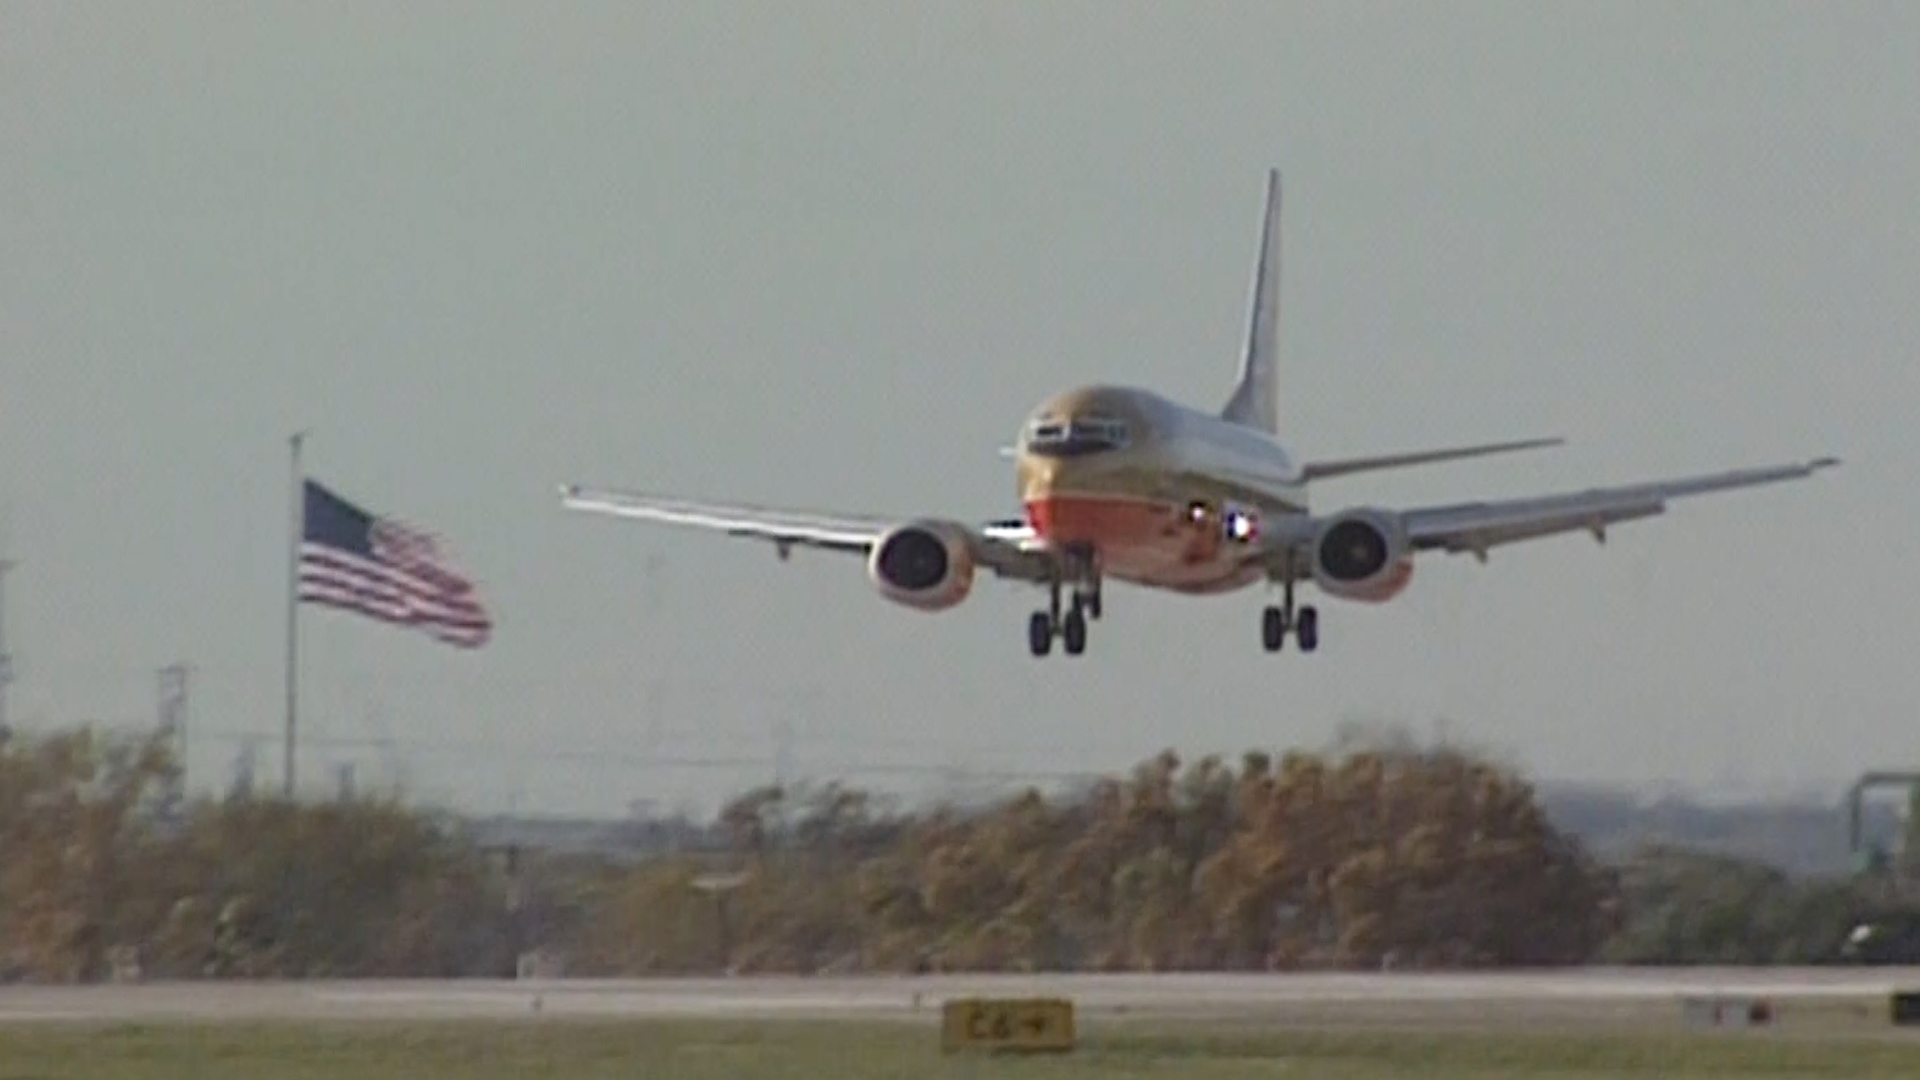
(1042, 477)
(1062, 505)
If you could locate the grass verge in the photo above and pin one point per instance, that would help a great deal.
(786, 1050)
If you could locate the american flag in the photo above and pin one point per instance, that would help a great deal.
(385, 569)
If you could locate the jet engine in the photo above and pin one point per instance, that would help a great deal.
(926, 565)
(1362, 555)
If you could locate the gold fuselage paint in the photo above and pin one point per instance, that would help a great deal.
(1133, 501)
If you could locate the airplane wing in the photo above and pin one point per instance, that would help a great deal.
(1476, 527)
(1008, 548)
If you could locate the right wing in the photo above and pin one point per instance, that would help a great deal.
(1476, 527)
(1008, 548)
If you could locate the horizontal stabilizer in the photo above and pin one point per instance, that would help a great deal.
(1321, 470)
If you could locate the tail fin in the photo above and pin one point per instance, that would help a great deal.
(1256, 398)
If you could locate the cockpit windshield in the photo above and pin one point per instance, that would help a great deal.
(1075, 436)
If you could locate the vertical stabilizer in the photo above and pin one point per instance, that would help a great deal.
(1256, 399)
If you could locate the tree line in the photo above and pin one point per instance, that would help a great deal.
(1370, 857)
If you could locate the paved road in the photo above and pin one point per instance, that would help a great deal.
(875, 997)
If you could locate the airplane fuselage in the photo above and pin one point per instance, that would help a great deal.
(1143, 481)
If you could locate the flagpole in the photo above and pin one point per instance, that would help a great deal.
(298, 530)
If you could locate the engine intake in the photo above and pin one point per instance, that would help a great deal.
(1362, 555)
(925, 565)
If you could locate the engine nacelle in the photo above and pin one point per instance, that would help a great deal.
(926, 565)
(1362, 555)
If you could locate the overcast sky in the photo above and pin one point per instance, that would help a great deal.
(827, 255)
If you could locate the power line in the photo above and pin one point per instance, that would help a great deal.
(725, 704)
(629, 759)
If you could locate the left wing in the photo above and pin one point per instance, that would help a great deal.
(1476, 527)
(1008, 548)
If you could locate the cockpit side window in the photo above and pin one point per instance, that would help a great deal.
(1076, 436)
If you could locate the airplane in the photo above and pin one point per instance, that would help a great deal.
(1121, 483)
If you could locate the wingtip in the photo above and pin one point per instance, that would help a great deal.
(1822, 463)
(1544, 443)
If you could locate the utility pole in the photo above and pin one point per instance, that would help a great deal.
(782, 753)
(6, 658)
(243, 769)
(173, 728)
(298, 528)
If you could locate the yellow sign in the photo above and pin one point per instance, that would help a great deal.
(1024, 1025)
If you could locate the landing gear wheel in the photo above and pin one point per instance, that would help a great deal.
(1079, 569)
(1276, 620)
(1040, 633)
(1073, 631)
(1273, 628)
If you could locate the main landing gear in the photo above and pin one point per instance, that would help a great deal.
(1080, 569)
(1275, 621)
(1079, 566)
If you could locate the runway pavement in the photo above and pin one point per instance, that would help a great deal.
(907, 997)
